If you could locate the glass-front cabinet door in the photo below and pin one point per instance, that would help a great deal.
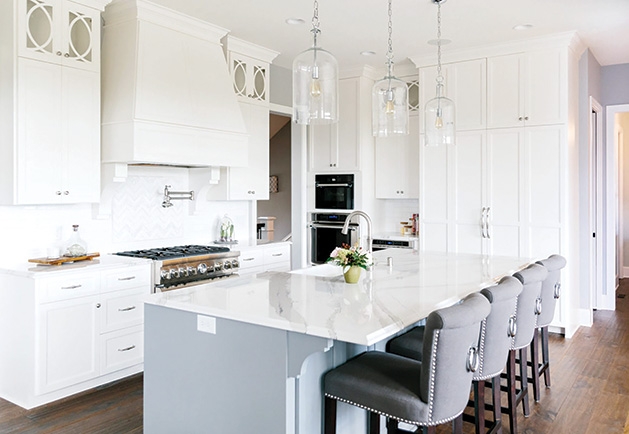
(60, 32)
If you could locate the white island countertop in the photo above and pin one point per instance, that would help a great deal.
(316, 301)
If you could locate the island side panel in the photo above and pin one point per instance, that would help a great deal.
(233, 381)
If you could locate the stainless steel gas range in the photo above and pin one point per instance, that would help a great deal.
(182, 266)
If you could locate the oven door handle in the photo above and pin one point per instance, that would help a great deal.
(352, 227)
(334, 185)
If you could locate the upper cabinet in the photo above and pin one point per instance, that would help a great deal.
(249, 66)
(336, 147)
(526, 89)
(59, 31)
(466, 84)
(53, 154)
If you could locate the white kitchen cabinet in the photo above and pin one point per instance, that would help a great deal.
(59, 31)
(58, 134)
(466, 84)
(494, 192)
(71, 330)
(265, 257)
(526, 89)
(252, 181)
(52, 146)
(249, 66)
(336, 147)
(397, 164)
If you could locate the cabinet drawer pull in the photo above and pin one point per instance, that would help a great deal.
(126, 309)
(247, 259)
(277, 254)
(126, 349)
(71, 287)
(126, 278)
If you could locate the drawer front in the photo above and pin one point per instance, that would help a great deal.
(273, 255)
(123, 309)
(122, 349)
(68, 287)
(251, 258)
(128, 277)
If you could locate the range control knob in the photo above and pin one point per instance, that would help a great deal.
(202, 268)
(183, 272)
(235, 263)
(174, 273)
(165, 274)
(228, 265)
(191, 271)
(218, 266)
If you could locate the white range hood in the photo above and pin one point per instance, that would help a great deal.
(167, 96)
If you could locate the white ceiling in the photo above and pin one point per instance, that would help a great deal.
(351, 26)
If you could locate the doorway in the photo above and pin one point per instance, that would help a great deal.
(274, 214)
(596, 196)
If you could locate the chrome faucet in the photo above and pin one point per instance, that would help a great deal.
(369, 224)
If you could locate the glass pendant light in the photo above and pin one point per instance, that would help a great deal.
(389, 105)
(315, 82)
(439, 125)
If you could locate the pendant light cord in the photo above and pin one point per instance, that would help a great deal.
(315, 22)
(439, 76)
(390, 41)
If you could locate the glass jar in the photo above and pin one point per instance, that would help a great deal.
(226, 230)
(75, 246)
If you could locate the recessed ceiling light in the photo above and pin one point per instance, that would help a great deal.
(523, 27)
(294, 21)
(368, 53)
(439, 41)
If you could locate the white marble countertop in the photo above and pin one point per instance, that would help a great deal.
(316, 301)
(29, 269)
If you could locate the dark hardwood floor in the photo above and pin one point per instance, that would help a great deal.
(589, 394)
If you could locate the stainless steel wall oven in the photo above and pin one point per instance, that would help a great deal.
(334, 192)
(325, 235)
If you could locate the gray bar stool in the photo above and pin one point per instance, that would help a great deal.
(551, 290)
(527, 310)
(497, 331)
(426, 393)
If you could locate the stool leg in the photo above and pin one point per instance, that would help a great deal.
(330, 415)
(524, 384)
(513, 419)
(392, 426)
(535, 365)
(479, 406)
(374, 423)
(495, 389)
(545, 356)
(457, 424)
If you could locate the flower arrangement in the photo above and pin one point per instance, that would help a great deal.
(347, 256)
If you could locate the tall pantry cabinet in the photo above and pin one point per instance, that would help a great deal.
(504, 187)
(50, 101)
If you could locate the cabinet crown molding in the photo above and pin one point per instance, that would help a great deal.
(250, 49)
(124, 10)
(559, 40)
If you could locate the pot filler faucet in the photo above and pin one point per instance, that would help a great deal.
(367, 219)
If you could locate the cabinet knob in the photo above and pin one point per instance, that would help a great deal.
(520, 118)
(526, 118)
(97, 305)
(58, 53)
(58, 193)
(66, 55)
(66, 192)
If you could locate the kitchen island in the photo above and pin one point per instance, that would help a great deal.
(248, 354)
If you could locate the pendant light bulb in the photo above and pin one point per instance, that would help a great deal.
(438, 121)
(389, 101)
(315, 82)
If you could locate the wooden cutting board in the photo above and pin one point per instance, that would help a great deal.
(64, 259)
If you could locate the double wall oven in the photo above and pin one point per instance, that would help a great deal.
(182, 266)
(325, 235)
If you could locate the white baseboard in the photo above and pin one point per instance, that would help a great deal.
(625, 272)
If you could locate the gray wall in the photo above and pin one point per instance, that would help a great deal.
(615, 84)
(279, 204)
(589, 85)
(281, 86)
